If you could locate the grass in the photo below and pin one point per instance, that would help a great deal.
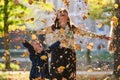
(25, 76)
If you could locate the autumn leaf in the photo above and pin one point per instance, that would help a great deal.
(62, 31)
(60, 69)
(85, 1)
(77, 46)
(118, 68)
(17, 62)
(30, 2)
(85, 16)
(44, 21)
(25, 54)
(3, 58)
(17, 47)
(66, 2)
(116, 6)
(115, 21)
(46, 6)
(90, 70)
(99, 25)
(33, 37)
(44, 57)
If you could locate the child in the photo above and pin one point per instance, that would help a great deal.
(38, 58)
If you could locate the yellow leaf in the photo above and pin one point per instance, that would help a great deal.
(66, 2)
(44, 57)
(85, 1)
(85, 16)
(30, 1)
(99, 25)
(46, 6)
(118, 68)
(77, 46)
(44, 20)
(62, 31)
(3, 58)
(116, 6)
(33, 37)
(89, 70)
(25, 54)
(62, 67)
(17, 47)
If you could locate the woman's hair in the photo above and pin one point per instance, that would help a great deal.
(56, 24)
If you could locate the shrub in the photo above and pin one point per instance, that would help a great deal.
(12, 65)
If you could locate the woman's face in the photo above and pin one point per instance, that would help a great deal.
(62, 14)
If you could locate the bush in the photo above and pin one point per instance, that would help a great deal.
(2, 66)
(12, 65)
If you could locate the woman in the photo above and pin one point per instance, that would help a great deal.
(63, 57)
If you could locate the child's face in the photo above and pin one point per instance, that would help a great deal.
(37, 47)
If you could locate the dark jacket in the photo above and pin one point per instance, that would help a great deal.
(39, 66)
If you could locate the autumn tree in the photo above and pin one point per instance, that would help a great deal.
(13, 16)
(115, 42)
(98, 9)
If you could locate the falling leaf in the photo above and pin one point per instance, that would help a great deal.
(85, 1)
(44, 21)
(60, 69)
(46, 6)
(32, 19)
(85, 16)
(115, 21)
(99, 25)
(116, 6)
(66, 2)
(62, 31)
(90, 70)
(25, 54)
(44, 57)
(17, 62)
(17, 47)
(77, 46)
(33, 37)
(3, 58)
(118, 68)
(30, 2)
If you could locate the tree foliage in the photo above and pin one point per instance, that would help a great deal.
(101, 9)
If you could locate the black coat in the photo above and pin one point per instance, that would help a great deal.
(39, 66)
(65, 57)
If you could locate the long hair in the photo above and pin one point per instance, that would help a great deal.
(56, 24)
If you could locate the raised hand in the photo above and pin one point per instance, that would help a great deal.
(17, 39)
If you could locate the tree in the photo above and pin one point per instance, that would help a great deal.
(101, 9)
(9, 18)
(97, 10)
(115, 42)
(13, 14)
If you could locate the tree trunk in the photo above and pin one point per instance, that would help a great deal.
(6, 33)
(115, 43)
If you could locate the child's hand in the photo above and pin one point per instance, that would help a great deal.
(17, 39)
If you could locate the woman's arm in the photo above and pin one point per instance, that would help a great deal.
(86, 33)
